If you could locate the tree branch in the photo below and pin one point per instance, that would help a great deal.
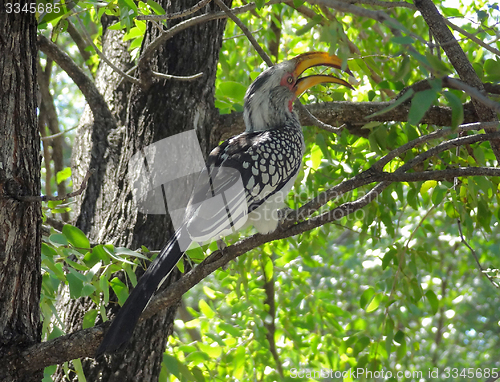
(352, 114)
(458, 59)
(148, 52)
(87, 86)
(472, 37)
(474, 93)
(247, 33)
(80, 43)
(481, 269)
(175, 15)
(103, 57)
(45, 198)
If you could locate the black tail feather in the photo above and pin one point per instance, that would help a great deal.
(122, 327)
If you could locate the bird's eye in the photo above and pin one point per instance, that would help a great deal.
(290, 80)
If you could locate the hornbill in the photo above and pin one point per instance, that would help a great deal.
(265, 159)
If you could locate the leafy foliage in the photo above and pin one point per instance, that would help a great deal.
(394, 286)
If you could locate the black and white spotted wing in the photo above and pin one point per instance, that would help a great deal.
(242, 173)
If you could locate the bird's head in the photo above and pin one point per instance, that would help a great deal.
(269, 99)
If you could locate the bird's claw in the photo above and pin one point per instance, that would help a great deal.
(283, 214)
(221, 245)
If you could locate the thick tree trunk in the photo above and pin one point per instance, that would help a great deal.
(107, 212)
(20, 222)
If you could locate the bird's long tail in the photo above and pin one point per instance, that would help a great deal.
(122, 327)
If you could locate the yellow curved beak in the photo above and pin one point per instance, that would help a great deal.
(311, 59)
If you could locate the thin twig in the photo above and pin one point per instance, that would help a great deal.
(247, 33)
(179, 78)
(103, 57)
(472, 37)
(241, 35)
(58, 134)
(315, 121)
(481, 269)
(385, 4)
(95, 100)
(473, 92)
(148, 52)
(175, 15)
(45, 198)
(373, 175)
(379, 16)
(379, 165)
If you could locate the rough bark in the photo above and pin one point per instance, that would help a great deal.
(20, 222)
(143, 116)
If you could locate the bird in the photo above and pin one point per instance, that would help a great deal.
(246, 180)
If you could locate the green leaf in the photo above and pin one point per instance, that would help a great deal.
(75, 283)
(56, 268)
(48, 251)
(306, 28)
(404, 69)
(120, 290)
(63, 175)
(394, 105)
(433, 301)
(233, 90)
(484, 215)
(388, 256)
(48, 371)
(157, 8)
(426, 186)
(439, 194)
(479, 155)
(366, 297)
(438, 66)
(492, 69)
(209, 292)
(399, 337)
(75, 236)
(104, 288)
(128, 4)
(77, 364)
(205, 309)
(133, 33)
(75, 265)
(129, 252)
(450, 210)
(260, 3)
(412, 198)
(230, 329)
(457, 109)
(268, 268)
(89, 318)
(316, 157)
(374, 304)
(91, 258)
(420, 103)
(450, 12)
(404, 40)
(58, 239)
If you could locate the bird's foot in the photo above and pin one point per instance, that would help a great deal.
(221, 245)
(283, 214)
